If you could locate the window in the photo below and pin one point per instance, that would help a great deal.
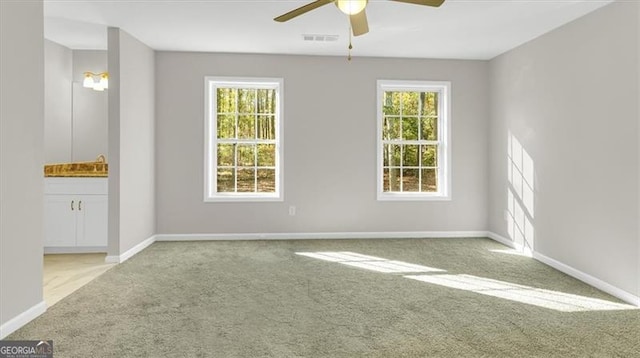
(243, 136)
(413, 136)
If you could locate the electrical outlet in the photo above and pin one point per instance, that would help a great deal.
(292, 210)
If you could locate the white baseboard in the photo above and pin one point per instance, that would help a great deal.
(321, 235)
(23, 318)
(588, 279)
(503, 240)
(131, 252)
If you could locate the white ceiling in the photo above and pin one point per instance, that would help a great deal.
(460, 29)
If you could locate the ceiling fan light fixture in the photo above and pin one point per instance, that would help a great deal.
(351, 7)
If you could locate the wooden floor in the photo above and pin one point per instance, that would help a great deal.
(65, 273)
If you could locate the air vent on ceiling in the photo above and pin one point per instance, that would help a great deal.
(320, 38)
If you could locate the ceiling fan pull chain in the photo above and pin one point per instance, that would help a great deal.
(350, 46)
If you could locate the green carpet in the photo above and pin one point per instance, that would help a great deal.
(261, 299)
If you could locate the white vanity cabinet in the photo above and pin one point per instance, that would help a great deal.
(75, 215)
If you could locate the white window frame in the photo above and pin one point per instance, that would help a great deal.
(444, 139)
(211, 85)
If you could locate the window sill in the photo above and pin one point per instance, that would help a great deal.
(412, 197)
(242, 198)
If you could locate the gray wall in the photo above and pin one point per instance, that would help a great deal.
(21, 156)
(57, 102)
(570, 98)
(75, 117)
(131, 142)
(329, 146)
(88, 61)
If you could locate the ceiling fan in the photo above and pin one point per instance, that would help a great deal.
(353, 8)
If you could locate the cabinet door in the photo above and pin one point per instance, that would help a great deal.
(92, 220)
(60, 220)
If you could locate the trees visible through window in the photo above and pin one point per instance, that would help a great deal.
(412, 140)
(243, 139)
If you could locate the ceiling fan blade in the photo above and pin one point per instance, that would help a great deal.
(359, 23)
(434, 3)
(302, 10)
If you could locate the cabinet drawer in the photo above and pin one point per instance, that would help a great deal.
(87, 186)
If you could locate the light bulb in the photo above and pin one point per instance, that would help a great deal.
(88, 80)
(351, 7)
(104, 80)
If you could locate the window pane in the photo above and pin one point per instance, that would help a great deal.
(391, 179)
(226, 180)
(429, 181)
(247, 100)
(266, 155)
(410, 128)
(226, 154)
(410, 103)
(391, 103)
(226, 100)
(429, 128)
(391, 128)
(429, 155)
(246, 127)
(246, 180)
(410, 180)
(391, 155)
(266, 127)
(386, 155)
(430, 104)
(266, 101)
(266, 180)
(246, 155)
(226, 126)
(410, 156)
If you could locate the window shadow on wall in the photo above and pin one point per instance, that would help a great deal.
(520, 196)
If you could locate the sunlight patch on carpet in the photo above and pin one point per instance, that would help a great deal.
(559, 301)
(366, 262)
(555, 300)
